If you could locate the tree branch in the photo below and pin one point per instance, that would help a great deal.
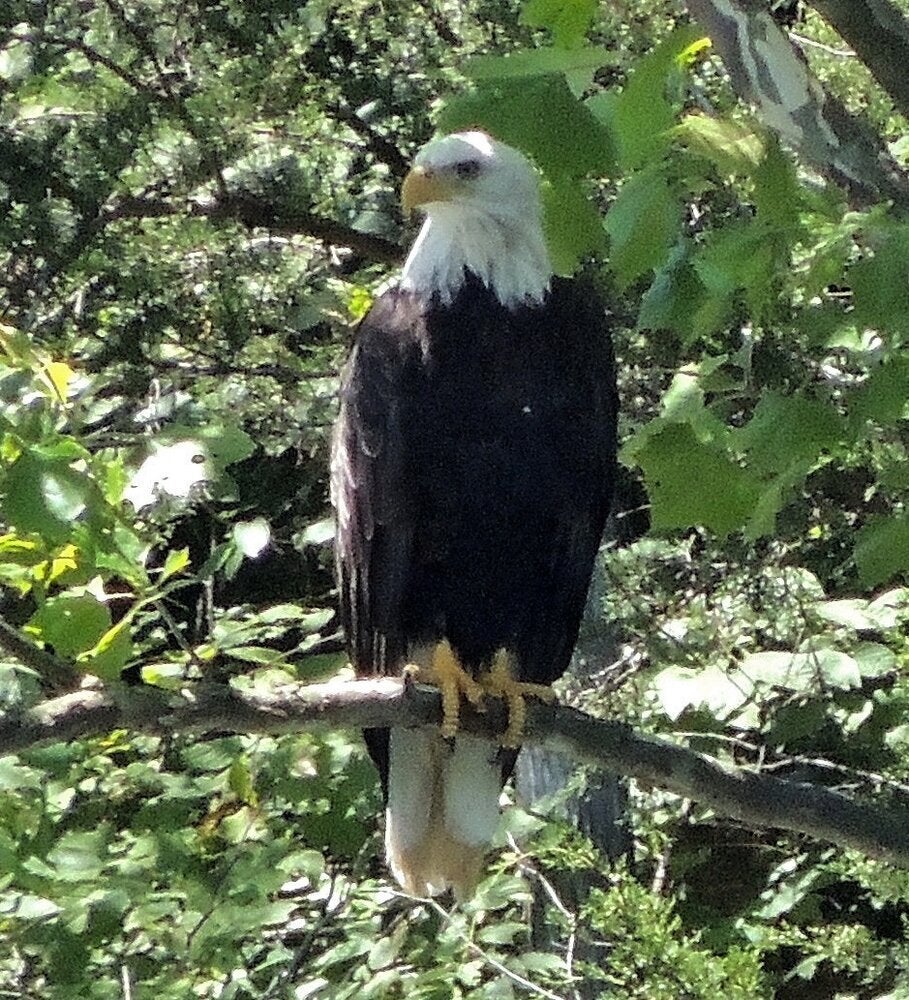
(770, 73)
(91, 54)
(758, 800)
(55, 672)
(381, 148)
(256, 213)
(879, 34)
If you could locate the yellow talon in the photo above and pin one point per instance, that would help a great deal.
(446, 673)
(499, 682)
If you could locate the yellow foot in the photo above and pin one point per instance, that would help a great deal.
(500, 682)
(453, 681)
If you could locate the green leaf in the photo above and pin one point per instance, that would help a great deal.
(240, 780)
(282, 613)
(851, 613)
(678, 300)
(568, 20)
(16, 62)
(640, 116)
(177, 560)
(15, 776)
(881, 614)
(882, 549)
(111, 654)
(534, 62)
(63, 449)
(32, 908)
(642, 222)
(540, 115)
(252, 537)
(884, 395)
(879, 287)
(738, 257)
(502, 932)
(227, 443)
(691, 483)
(319, 532)
(254, 654)
(387, 949)
(890, 608)
(315, 621)
(835, 668)
(540, 962)
(79, 856)
(786, 894)
(213, 755)
(874, 659)
(788, 431)
(804, 670)
(797, 719)
(777, 195)
(780, 669)
(45, 496)
(730, 147)
(574, 229)
(496, 892)
(721, 692)
(72, 624)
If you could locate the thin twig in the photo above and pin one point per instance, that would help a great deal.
(491, 961)
(92, 55)
(126, 981)
(842, 53)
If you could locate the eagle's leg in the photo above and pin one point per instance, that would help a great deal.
(500, 682)
(446, 673)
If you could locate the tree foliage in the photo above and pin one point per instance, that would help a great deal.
(197, 202)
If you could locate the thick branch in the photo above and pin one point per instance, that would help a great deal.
(55, 672)
(756, 799)
(381, 148)
(879, 34)
(241, 206)
(769, 72)
(254, 212)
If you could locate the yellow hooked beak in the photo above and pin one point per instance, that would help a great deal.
(422, 186)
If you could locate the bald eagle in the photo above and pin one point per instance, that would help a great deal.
(472, 472)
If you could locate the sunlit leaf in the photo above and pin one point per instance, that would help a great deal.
(691, 483)
(641, 115)
(72, 624)
(177, 560)
(252, 537)
(732, 148)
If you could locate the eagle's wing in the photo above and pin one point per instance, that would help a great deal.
(370, 483)
(586, 433)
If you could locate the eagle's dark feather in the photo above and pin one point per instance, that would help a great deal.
(473, 471)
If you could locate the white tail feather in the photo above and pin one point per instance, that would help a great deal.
(443, 806)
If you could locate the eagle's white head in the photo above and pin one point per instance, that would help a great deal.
(483, 214)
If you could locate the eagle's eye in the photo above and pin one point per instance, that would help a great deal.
(467, 170)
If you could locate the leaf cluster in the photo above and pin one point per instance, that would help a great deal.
(196, 204)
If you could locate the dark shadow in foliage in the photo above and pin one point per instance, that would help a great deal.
(289, 494)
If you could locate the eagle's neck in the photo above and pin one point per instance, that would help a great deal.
(507, 253)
